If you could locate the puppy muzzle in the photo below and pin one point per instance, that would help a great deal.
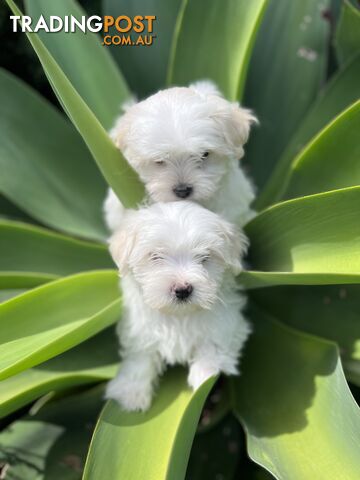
(183, 293)
(182, 190)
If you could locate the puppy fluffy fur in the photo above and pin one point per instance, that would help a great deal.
(163, 251)
(187, 143)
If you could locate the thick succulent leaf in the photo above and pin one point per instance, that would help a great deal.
(216, 44)
(51, 444)
(156, 443)
(33, 254)
(339, 93)
(328, 312)
(51, 319)
(252, 279)
(23, 280)
(318, 234)
(145, 67)
(91, 361)
(300, 418)
(215, 453)
(114, 167)
(86, 63)
(52, 177)
(290, 53)
(347, 38)
(331, 160)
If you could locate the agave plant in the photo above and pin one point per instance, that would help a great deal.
(297, 65)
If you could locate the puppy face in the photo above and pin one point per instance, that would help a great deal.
(181, 141)
(178, 253)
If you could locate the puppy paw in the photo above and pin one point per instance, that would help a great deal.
(199, 373)
(132, 396)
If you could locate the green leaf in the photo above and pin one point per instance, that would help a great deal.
(23, 280)
(44, 174)
(287, 69)
(51, 319)
(331, 160)
(251, 279)
(347, 37)
(214, 40)
(28, 252)
(145, 67)
(156, 443)
(300, 418)
(330, 312)
(117, 172)
(318, 234)
(91, 361)
(86, 63)
(52, 443)
(340, 92)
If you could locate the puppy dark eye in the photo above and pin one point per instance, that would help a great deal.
(204, 155)
(203, 258)
(155, 257)
(160, 163)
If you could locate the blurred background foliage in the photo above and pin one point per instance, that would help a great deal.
(18, 57)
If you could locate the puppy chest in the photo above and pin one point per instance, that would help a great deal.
(178, 340)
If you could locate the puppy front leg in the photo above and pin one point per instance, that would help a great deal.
(133, 386)
(208, 362)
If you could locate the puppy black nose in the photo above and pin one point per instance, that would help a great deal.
(182, 293)
(182, 190)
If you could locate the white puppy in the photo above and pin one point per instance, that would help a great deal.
(178, 263)
(186, 143)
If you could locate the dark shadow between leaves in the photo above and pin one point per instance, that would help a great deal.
(99, 351)
(279, 370)
(328, 311)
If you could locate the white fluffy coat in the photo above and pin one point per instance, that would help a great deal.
(157, 249)
(190, 137)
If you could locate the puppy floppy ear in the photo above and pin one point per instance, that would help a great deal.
(236, 245)
(236, 123)
(122, 242)
(119, 132)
